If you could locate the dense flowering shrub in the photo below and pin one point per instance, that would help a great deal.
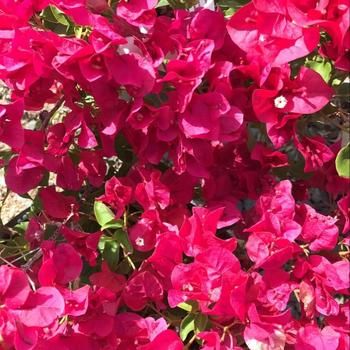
(176, 166)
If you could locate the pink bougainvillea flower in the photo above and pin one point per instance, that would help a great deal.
(57, 139)
(26, 338)
(205, 112)
(210, 116)
(32, 153)
(311, 337)
(190, 282)
(25, 67)
(279, 200)
(140, 13)
(307, 298)
(331, 16)
(314, 151)
(76, 301)
(269, 158)
(340, 322)
(207, 24)
(151, 193)
(14, 287)
(84, 243)
(319, 295)
(41, 308)
(231, 213)
(180, 186)
(271, 37)
(22, 181)
(108, 279)
(260, 334)
(306, 94)
(166, 255)
(186, 74)
(93, 167)
(117, 194)
(86, 138)
(332, 275)
(277, 288)
(325, 303)
(267, 251)
(142, 288)
(57, 205)
(35, 232)
(211, 340)
(144, 233)
(138, 83)
(68, 175)
(344, 205)
(193, 156)
(11, 131)
(202, 115)
(131, 328)
(27, 169)
(214, 340)
(61, 264)
(199, 232)
(205, 279)
(319, 231)
(271, 224)
(97, 6)
(23, 11)
(168, 339)
(98, 325)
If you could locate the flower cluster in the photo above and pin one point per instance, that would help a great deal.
(176, 166)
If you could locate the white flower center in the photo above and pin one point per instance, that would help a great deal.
(143, 30)
(140, 242)
(262, 38)
(187, 286)
(280, 102)
(125, 50)
(215, 294)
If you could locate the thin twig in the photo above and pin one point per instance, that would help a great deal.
(50, 114)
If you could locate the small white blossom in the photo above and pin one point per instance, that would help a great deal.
(140, 242)
(280, 102)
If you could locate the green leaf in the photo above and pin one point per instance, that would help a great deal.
(78, 31)
(5, 155)
(323, 68)
(200, 322)
(182, 4)
(342, 162)
(57, 21)
(102, 243)
(123, 238)
(111, 254)
(113, 224)
(189, 306)
(233, 4)
(187, 326)
(229, 12)
(53, 14)
(21, 227)
(162, 3)
(103, 214)
(58, 16)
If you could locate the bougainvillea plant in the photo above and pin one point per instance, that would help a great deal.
(188, 167)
